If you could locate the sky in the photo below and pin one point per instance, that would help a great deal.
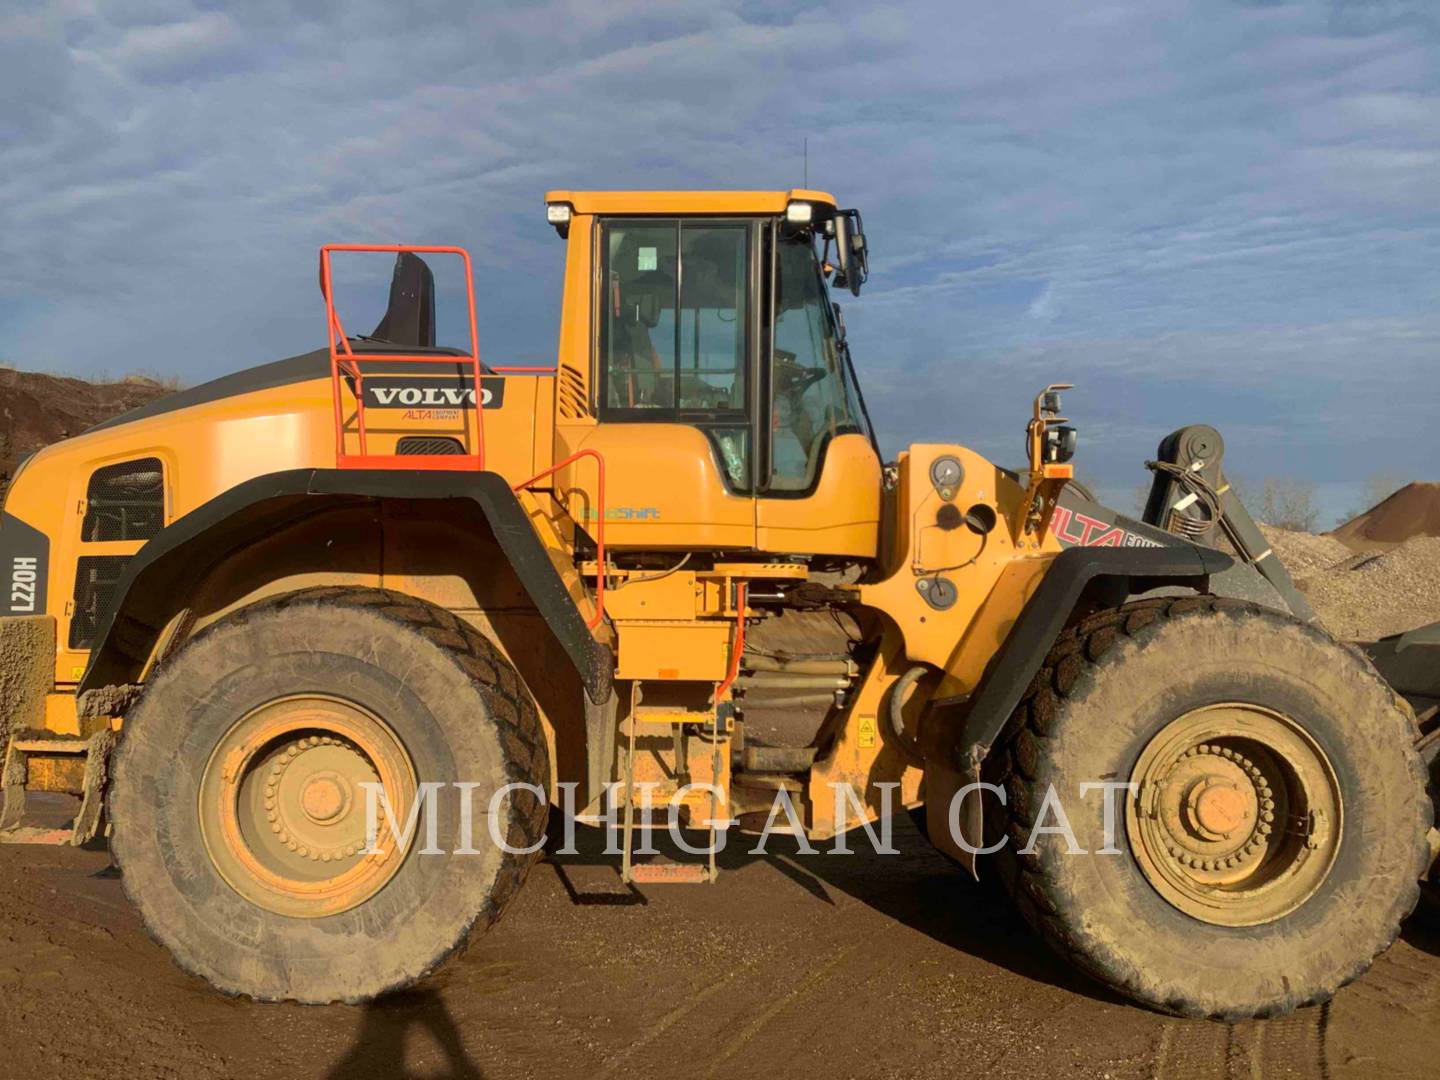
(1198, 211)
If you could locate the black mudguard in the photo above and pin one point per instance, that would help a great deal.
(172, 564)
(1124, 571)
(1080, 521)
(970, 729)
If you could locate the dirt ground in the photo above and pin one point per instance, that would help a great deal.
(834, 966)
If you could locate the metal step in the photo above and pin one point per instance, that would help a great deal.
(39, 755)
(664, 721)
(25, 834)
(668, 873)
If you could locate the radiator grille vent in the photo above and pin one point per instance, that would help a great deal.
(96, 578)
(125, 502)
(428, 444)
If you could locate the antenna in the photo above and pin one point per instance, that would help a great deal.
(806, 184)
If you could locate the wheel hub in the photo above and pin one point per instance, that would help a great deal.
(285, 805)
(310, 797)
(1218, 808)
(1237, 819)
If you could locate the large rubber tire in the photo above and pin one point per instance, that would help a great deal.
(462, 714)
(1108, 686)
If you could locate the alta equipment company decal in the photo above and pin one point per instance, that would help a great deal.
(1081, 530)
(421, 392)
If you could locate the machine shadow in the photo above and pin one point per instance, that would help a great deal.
(917, 887)
(1422, 929)
(379, 1050)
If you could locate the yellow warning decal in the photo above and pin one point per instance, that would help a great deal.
(867, 732)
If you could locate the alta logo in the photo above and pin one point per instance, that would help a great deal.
(1081, 530)
(419, 392)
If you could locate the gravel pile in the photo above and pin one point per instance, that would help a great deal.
(1305, 553)
(1368, 594)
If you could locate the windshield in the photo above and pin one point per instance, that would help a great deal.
(814, 397)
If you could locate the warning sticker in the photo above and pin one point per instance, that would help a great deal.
(867, 732)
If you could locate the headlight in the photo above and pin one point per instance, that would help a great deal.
(558, 215)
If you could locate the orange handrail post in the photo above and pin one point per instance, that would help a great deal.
(599, 522)
(738, 646)
(335, 330)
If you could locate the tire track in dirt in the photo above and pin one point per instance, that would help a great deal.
(812, 980)
(1250, 1050)
(688, 1007)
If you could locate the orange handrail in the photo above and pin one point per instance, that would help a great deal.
(737, 647)
(334, 329)
(599, 526)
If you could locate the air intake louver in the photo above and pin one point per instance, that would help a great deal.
(572, 393)
(416, 445)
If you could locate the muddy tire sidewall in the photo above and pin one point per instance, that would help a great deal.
(1109, 917)
(452, 729)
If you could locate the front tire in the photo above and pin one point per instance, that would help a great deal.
(1276, 837)
(238, 804)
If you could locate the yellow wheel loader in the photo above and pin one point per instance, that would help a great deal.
(319, 645)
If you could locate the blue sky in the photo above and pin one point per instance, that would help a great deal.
(1204, 211)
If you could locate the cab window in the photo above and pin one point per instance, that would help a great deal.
(674, 329)
(812, 399)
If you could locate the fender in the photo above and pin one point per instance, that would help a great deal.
(1083, 522)
(171, 564)
(1136, 570)
(1121, 572)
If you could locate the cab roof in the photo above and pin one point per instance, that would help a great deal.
(686, 202)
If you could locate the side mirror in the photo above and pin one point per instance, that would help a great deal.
(842, 251)
(850, 250)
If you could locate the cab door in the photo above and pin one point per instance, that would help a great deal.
(819, 473)
(675, 332)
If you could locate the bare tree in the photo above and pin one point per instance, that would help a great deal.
(1142, 496)
(1289, 504)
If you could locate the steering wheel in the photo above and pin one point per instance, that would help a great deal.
(792, 377)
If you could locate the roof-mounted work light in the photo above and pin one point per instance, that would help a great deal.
(558, 214)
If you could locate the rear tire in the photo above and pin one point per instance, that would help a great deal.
(1227, 923)
(319, 690)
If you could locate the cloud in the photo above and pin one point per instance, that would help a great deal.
(1196, 211)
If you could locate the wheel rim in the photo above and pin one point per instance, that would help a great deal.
(1236, 817)
(283, 813)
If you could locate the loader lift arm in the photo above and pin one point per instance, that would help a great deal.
(1191, 498)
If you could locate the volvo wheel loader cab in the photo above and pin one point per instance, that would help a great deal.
(352, 622)
(701, 356)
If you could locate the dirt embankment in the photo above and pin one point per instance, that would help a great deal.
(37, 409)
(1412, 511)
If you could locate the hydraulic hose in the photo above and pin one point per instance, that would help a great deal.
(902, 686)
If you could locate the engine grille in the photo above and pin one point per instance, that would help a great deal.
(96, 578)
(125, 502)
(416, 445)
